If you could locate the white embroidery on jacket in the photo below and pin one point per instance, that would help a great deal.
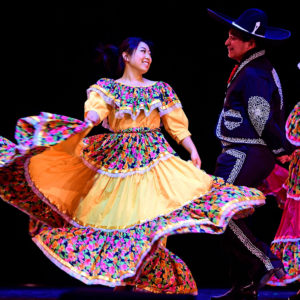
(240, 156)
(236, 139)
(259, 112)
(278, 84)
(230, 124)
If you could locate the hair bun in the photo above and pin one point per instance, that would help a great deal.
(107, 57)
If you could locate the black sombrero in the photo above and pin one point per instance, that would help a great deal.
(253, 21)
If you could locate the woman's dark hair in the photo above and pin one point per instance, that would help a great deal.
(107, 57)
(111, 57)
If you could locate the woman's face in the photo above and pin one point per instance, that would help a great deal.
(140, 59)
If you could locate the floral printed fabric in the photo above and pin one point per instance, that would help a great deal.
(292, 185)
(46, 130)
(292, 126)
(289, 253)
(8, 151)
(132, 100)
(156, 276)
(96, 256)
(127, 152)
(34, 135)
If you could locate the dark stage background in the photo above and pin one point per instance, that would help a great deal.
(49, 62)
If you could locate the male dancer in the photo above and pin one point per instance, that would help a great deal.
(251, 130)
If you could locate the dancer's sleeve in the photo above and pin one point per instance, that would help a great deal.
(176, 124)
(96, 102)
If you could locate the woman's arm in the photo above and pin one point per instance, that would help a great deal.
(95, 108)
(176, 124)
(188, 144)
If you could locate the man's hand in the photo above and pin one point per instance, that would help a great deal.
(284, 158)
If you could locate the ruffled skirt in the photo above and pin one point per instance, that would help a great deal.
(285, 186)
(286, 243)
(102, 207)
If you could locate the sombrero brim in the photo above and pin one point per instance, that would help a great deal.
(272, 33)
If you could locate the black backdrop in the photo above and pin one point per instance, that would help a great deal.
(48, 63)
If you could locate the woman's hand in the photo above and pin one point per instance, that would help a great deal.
(195, 158)
(93, 117)
(188, 144)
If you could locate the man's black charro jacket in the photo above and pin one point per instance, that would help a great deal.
(253, 111)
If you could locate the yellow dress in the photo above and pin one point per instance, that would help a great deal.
(112, 199)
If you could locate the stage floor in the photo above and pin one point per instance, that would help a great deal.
(89, 293)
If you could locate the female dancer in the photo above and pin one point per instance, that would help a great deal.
(286, 244)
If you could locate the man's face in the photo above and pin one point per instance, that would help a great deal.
(236, 47)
